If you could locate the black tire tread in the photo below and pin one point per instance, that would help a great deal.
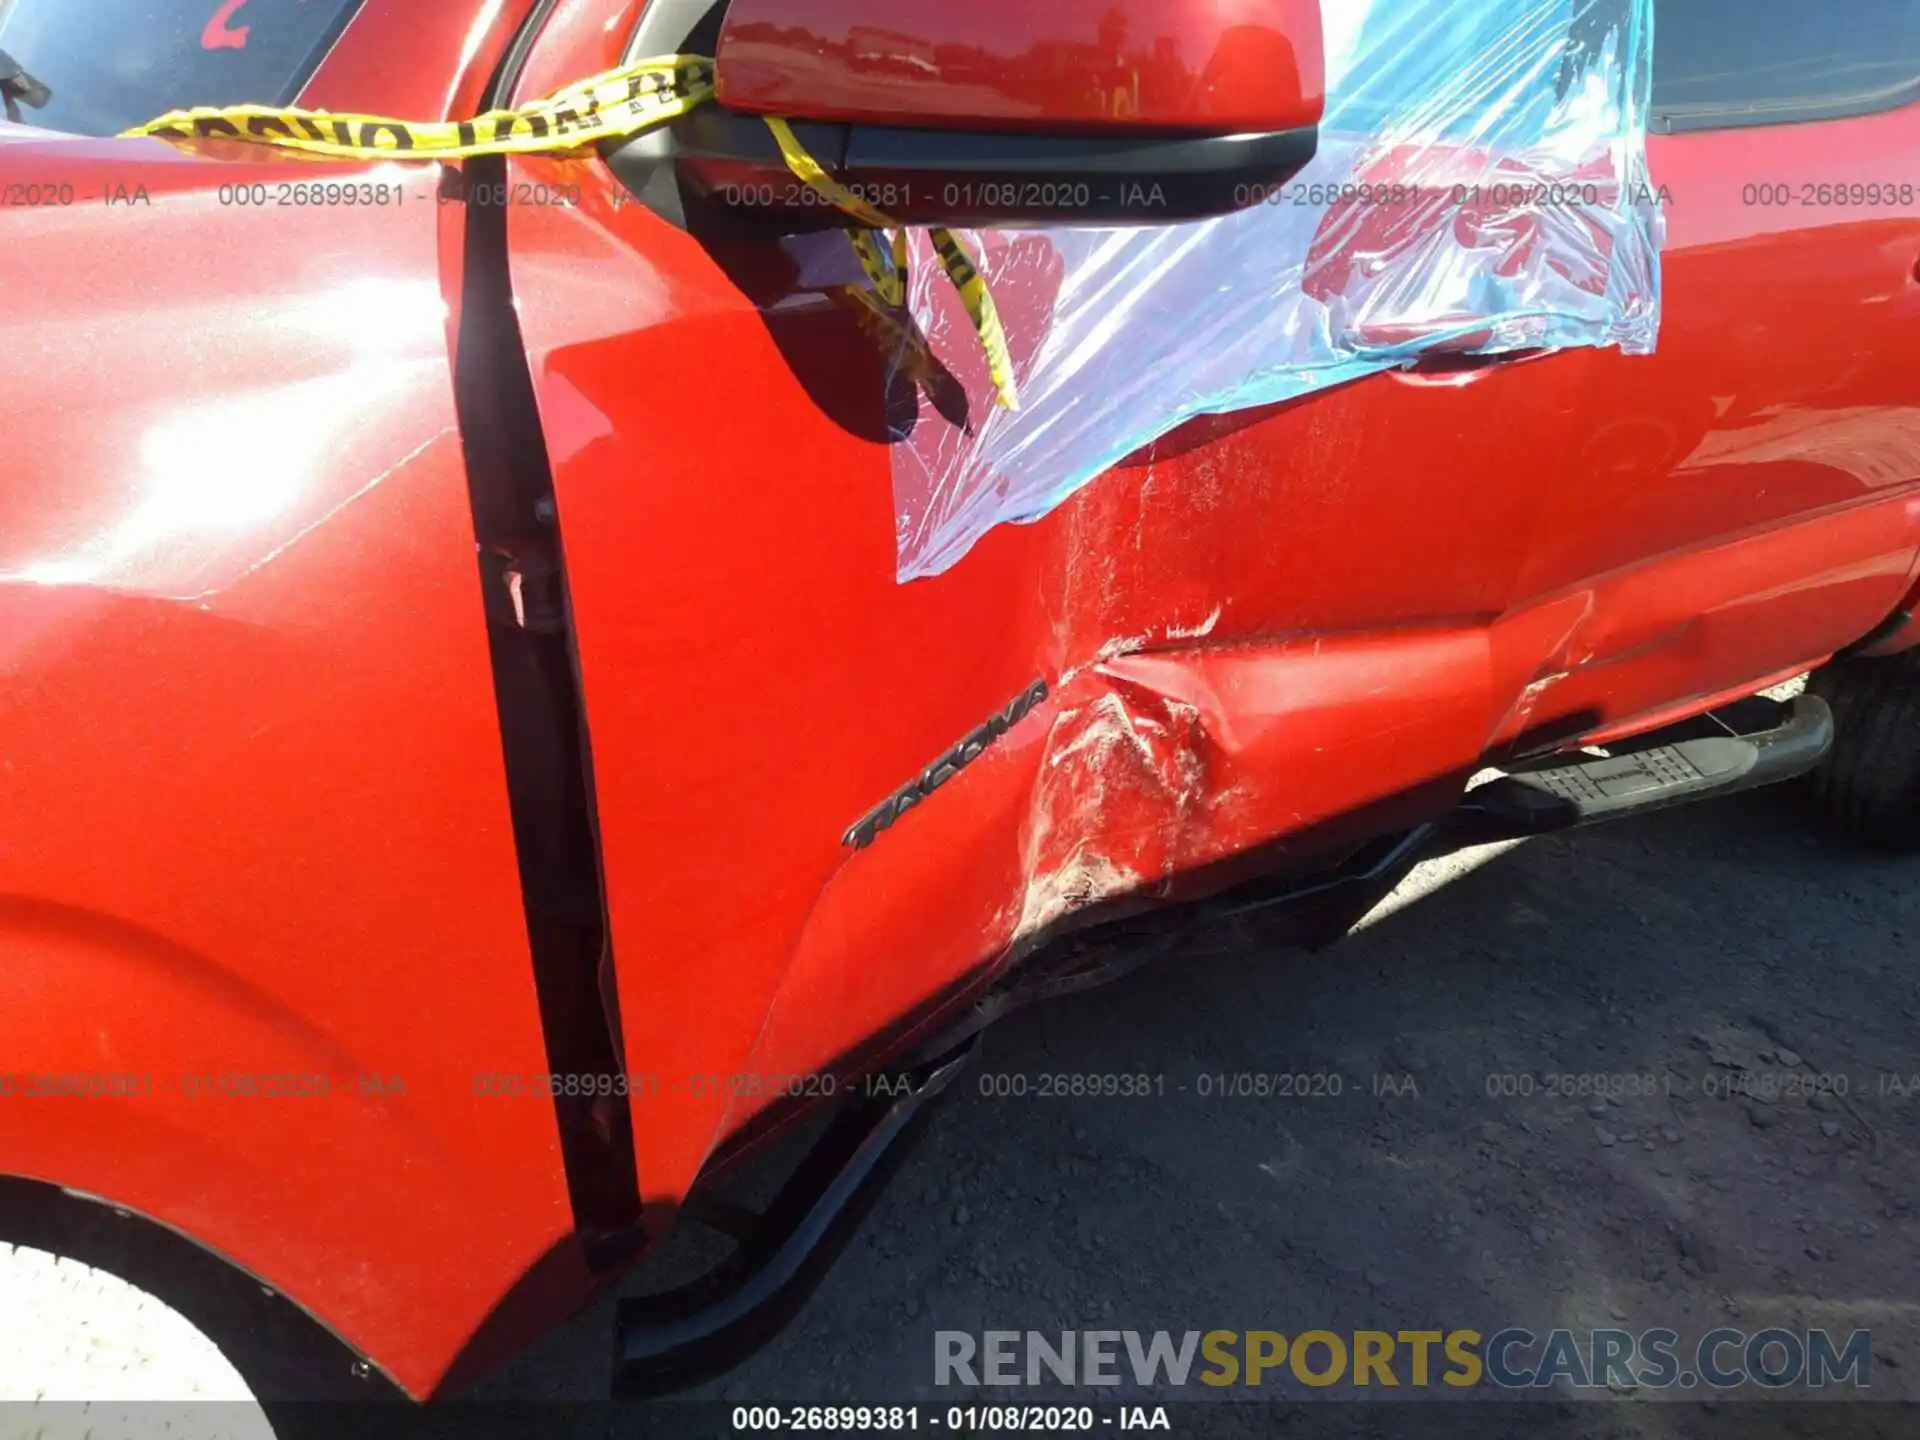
(1870, 783)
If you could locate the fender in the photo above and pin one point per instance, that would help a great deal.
(153, 1077)
(254, 822)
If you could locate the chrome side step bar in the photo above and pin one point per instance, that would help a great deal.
(1652, 775)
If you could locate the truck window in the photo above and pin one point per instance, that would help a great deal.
(1724, 63)
(113, 64)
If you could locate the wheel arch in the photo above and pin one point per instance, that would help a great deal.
(145, 1078)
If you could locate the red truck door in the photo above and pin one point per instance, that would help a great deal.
(1268, 626)
(756, 680)
(1744, 501)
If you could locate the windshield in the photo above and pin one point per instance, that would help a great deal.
(114, 64)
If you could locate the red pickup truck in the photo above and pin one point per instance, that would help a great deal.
(469, 769)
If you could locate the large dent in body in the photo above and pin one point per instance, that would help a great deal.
(1159, 764)
(1123, 777)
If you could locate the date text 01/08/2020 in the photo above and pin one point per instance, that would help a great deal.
(958, 1419)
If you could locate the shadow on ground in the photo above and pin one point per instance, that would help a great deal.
(1709, 966)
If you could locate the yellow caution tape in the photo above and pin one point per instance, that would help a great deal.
(959, 265)
(974, 294)
(808, 169)
(887, 269)
(616, 105)
(612, 106)
(895, 333)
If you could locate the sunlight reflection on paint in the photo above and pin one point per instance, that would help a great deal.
(220, 483)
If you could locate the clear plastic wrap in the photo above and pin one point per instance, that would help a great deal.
(1481, 186)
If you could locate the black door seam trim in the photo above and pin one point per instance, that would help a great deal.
(539, 698)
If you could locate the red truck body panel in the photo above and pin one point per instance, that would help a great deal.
(255, 850)
(1220, 66)
(1306, 622)
(253, 820)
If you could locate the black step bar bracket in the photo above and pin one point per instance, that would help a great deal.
(1656, 777)
(678, 1338)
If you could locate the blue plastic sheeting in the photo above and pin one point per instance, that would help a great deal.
(1481, 186)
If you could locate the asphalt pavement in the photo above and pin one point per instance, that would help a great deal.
(1663, 1074)
(1660, 1074)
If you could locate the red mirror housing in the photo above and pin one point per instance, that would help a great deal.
(985, 112)
(1084, 67)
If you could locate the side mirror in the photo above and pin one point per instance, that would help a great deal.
(991, 112)
(18, 88)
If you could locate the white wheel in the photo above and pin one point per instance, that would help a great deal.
(90, 1352)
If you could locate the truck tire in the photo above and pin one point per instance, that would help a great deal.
(87, 1353)
(1870, 783)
